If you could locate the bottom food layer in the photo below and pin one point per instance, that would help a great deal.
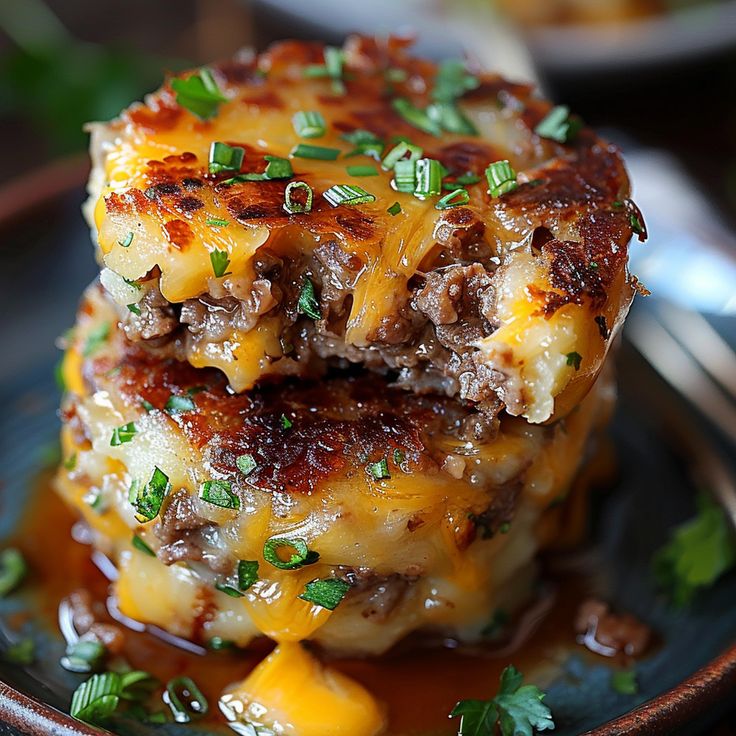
(345, 512)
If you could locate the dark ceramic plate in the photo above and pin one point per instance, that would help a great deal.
(46, 260)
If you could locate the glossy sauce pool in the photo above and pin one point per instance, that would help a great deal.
(419, 687)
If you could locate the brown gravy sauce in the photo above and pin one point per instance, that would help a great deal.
(418, 686)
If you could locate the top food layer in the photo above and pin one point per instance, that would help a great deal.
(275, 214)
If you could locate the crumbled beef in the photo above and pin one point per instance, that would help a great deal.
(608, 633)
(157, 318)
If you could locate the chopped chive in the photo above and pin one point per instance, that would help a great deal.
(286, 423)
(199, 94)
(121, 435)
(467, 178)
(96, 339)
(453, 199)
(309, 124)
(428, 172)
(141, 546)
(321, 153)
(362, 170)
(347, 194)
(300, 553)
(216, 222)
(219, 493)
(398, 153)
(574, 359)
(228, 590)
(307, 303)
(394, 209)
(453, 80)
(135, 309)
(379, 470)
(147, 499)
(22, 652)
(404, 176)
(126, 241)
(415, 116)
(332, 69)
(246, 464)
(593, 265)
(178, 404)
(327, 593)
(218, 644)
(292, 205)
(185, 699)
(365, 143)
(501, 178)
(636, 223)
(276, 168)
(399, 456)
(247, 573)
(225, 158)
(13, 569)
(624, 682)
(558, 125)
(451, 118)
(71, 462)
(84, 655)
(220, 260)
(96, 699)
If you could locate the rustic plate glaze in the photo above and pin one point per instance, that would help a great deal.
(46, 260)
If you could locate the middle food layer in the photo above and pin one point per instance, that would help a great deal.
(345, 511)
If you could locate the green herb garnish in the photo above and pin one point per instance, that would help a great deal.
(141, 546)
(394, 209)
(121, 435)
(276, 168)
(228, 590)
(362, 170)
(286, 423)
(96, 339)
(456, 198)
(307, 303)
(185, 699)
(246, 464)
(624, 682)
(399, 153)
(147, 499)
(300, 554)
(219, 493)
(518, 710)
(134, 308)
(225, 158)
(558, 125)
(415, 116)
(378, 470)
(428, 173)
(247, 573)
(331, 69)
(199, 94)
(309, 124)
(698, 553)
(294, 206)
(326, 593)
(96, 699)
(126, 241)
(13, 569)
(365, 142)
(220, 260)
(320, 153)
(574, 359)
(177, 404)
(501, 178)
(84, 655)
(22, 652)
(216, 222)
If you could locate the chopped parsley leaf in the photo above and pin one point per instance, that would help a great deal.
(219, 493)
(574, 359)
(624, 682)
(307, 303)
(141, 546)
(698, 553)
(199, 94)
(300, 553)
(246, 464)
(122, 435)
(518, 710)
(327, 593)
(220, 260)
(247, 573)
(148, 498)
(178, 404)
(379, 470)
(286, 423)
(96, 339)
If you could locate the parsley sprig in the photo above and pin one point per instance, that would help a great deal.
(517, 709)
(698, 553)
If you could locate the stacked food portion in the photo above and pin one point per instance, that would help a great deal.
(346, 351)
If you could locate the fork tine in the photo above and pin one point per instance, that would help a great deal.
(681, 371)
(697, 335)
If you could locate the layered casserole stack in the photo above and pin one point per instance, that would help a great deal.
(347, 348)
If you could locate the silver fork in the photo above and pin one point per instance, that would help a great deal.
(692, 358)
